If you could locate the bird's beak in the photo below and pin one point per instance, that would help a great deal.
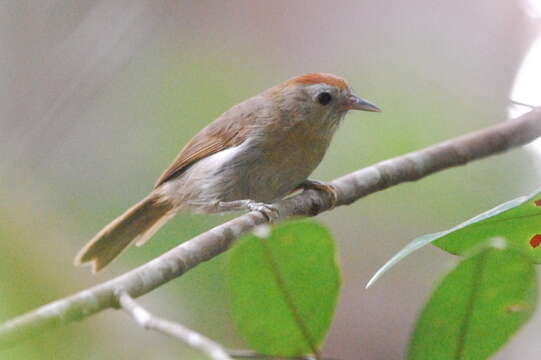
(358, 103)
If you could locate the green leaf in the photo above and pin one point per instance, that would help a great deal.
(476, 307)
(518, 221)
(284, 288)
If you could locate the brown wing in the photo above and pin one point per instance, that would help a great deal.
(226, 131)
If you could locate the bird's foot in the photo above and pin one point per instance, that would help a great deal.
(323, 187)
(268, 210)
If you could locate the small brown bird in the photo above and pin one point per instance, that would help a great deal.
(254, 154)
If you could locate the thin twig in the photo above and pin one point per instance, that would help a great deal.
(351, 187)
(248, 354)
(519, 103)
(177, 331)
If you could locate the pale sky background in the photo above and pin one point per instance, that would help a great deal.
(527, 85)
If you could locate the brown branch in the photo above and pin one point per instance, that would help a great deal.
(150, 322)
(351, 187)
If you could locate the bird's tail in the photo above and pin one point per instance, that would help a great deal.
(137, 224)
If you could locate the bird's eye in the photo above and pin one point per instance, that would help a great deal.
(324, 98)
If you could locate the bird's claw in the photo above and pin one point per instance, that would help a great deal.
(327, 188)
(268, 210)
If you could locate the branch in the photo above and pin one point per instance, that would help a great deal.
(351, 187)
(248, 354)
(214, 350)
(177, 331)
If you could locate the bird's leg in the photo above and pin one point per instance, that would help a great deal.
(268, 210)
(320, 186)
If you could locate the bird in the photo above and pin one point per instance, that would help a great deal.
(251, 156)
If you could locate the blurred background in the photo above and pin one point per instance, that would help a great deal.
(97, 97)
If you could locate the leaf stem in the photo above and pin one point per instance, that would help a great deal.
(477, 275)
(288, 298)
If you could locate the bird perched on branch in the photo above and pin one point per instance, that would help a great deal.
(254, 154)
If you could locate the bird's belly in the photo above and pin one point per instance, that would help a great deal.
(240, 173)
(243, 172)
(267, 175)
(266, 182)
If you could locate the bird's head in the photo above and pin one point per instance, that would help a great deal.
(319, 96)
